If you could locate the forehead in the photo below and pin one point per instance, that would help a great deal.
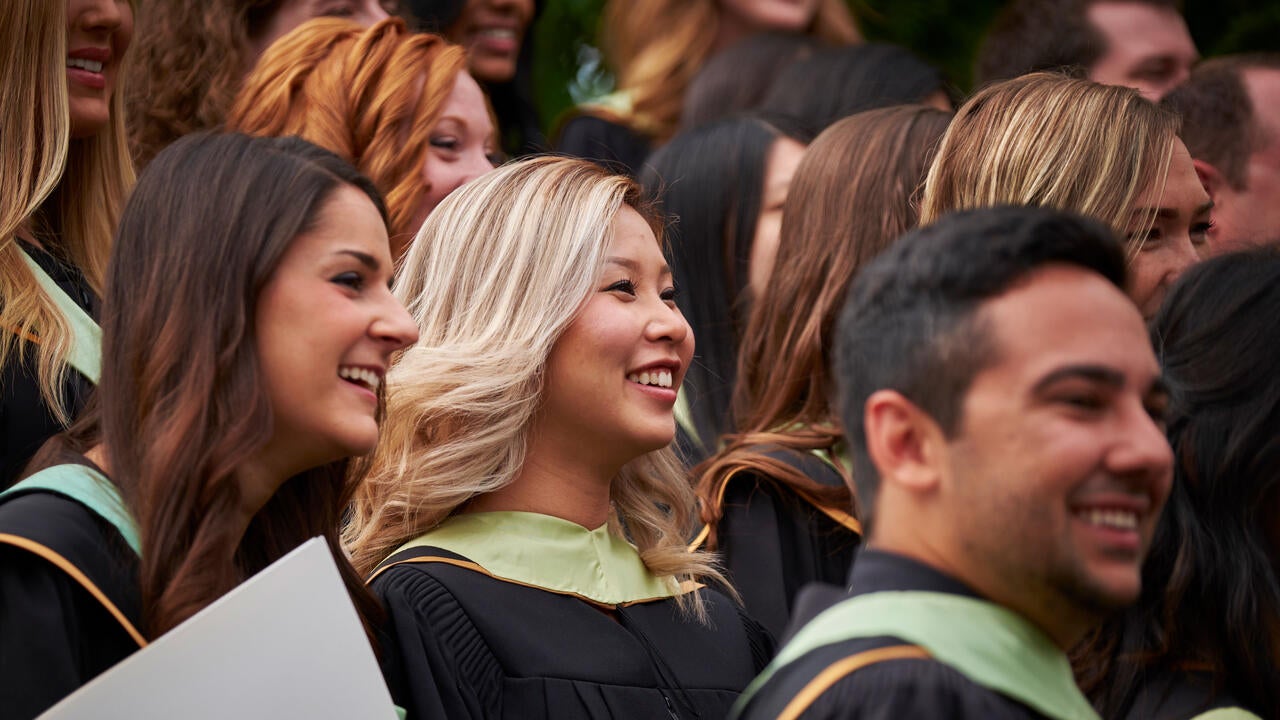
(346, 220)
(1263, 86)
(1180, 188)
(631, 238)
(1138, 29)
(1061, 315)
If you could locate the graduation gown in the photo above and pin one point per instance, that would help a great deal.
(521, 615)
(1184, 696)
(69, 600)
(910, 642)
(774, 540)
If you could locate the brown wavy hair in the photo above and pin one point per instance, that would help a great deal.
(182, 405)
(359, 93)
(852, 195)
(190, 58)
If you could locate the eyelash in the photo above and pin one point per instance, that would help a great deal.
(445, 143)
(353, 280)
(629, 287)
(1199, 231)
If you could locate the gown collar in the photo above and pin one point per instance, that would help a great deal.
(550, 553)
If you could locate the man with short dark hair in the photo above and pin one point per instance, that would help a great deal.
(1002, 403)
(1142, 44)
(1230, 110)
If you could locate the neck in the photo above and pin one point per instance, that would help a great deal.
(258, 479)
(556, 481)
(730, 30)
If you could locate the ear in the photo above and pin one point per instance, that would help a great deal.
(1210, 178)
(905, 444)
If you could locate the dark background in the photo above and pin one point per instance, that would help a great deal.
(944, 32)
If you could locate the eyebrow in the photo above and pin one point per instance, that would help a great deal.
(634, 266)
(365, 259)
(1166, 213)
(1098, 374)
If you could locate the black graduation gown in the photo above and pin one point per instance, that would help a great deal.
(1181, 696)
(911, 687)
(56, 633)
(462, 644)
(772, 541)
(25, 420)
(607, 141)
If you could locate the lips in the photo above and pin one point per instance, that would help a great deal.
(85, 66)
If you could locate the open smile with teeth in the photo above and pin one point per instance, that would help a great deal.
(91, 65)
(657, 378)
(499, 33)
(1115, 519)
(360, 376)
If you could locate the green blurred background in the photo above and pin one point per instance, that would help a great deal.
(567, 65)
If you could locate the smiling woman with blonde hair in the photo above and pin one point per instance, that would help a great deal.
(525, 518)
(1103, 151)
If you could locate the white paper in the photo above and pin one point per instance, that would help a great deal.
(285, 644)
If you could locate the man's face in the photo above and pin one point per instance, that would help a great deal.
(1250, 216)
(1147, 47)
(1058, 470)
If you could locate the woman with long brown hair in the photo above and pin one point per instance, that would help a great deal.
(399, 106)
(64, 174)
(248, 326)
(776, 499)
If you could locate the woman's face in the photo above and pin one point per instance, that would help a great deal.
(611, 378)
(460, 148)
(1172, 244)
(289, 14)
(766, 15)
(780, 166)
(491, 31)
(98, 34)
(326, 326)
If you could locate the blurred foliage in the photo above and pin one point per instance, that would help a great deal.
(568, 68)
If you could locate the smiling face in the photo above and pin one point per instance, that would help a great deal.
(326, 326)
(1058, 471)
(98, 34)
(766, 15)
(611, 378)
(1249, 216)
(461, 146)
(492, 31)
(780, 167)
(1170, 246)
(289, 14)
(1147, 47)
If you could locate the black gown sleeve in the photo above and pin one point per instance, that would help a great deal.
(40, 614)
(435, 661)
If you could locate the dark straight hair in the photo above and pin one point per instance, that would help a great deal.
(1210, 592)
(181, 404)
(709, 182)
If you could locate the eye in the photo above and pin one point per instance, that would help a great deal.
(445, 142)
(1146, 239)
(337, 11)
(353, 280)
(495, 157)
(669, 295)
(1087, 401)
(623, 286)
(1200, 232)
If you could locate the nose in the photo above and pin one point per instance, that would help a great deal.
(105, 15)
(667, 324)
(1142, 453)
(372, 13)
(478, 163)
(394, 325)
(1184, 257)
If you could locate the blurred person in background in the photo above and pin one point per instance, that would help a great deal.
(736, 79)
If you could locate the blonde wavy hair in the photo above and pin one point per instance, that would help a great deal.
(68, 193)
(657, 47)
(1045, 139)
(359, 93)
(492, 289)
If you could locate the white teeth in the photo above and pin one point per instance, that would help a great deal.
(1120, 519)
(502, 33)
(90, 65)
(368, 378)
(660, 378)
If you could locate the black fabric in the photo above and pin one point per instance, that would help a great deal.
(460, 644)
(54, 635)
(25, 419)
(610, 144)
(889, 690)
(773, 542)
(1181, 696)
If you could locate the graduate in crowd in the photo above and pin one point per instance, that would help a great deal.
(1098, 150)
(722, 187)
(1203, 637)
(777, 500)
(193, 56)
(214, 445)
(1002, 404)
(718, 90)
(65, 175)
(835, 83)
(497, 35)
(525, 520)
(399, 106)
(657, 47)
(1230, 110)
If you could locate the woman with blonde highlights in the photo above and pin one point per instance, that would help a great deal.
(399, 106)
(776, 499)
(524, 521)
(65, 174)
(657, 47)
(1098, 150)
